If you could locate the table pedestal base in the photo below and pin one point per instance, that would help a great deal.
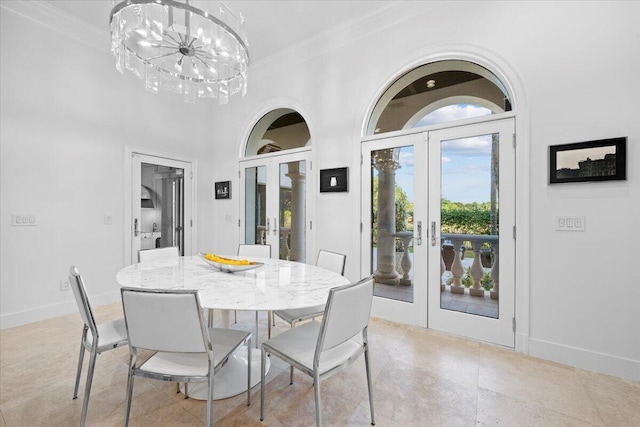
(231, 380)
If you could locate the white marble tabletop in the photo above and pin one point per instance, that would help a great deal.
(277, 285)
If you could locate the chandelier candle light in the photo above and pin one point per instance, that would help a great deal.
(171, 44)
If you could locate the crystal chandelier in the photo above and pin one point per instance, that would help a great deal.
(170, 44)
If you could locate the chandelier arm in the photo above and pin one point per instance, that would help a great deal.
(161, 56)
(208, 66)
(204, 54)
(171, 37)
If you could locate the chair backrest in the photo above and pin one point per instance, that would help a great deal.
(331, 261)
(165, 320)
(79, 292)
(346, 314)
(258, 251)
(170, 252)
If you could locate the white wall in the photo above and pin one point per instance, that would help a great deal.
(67, 115)
(578, 68)
(576, 64)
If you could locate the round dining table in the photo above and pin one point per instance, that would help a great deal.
(274, 285)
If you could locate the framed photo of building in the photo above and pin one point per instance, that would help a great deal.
(599, 160)
(223, 190)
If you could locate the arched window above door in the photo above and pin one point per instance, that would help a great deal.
(278, 130)
(439, 92)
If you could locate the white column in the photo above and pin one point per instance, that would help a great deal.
(298, 212)
(386, 258)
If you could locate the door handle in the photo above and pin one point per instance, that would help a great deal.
(433, 233)
(268, 225)
(275, 226)
(419, 238)
(135, 227)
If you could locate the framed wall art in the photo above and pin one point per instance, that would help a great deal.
(223, 190)
(598, 160)
(334, 180)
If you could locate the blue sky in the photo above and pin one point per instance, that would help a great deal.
(465, 162)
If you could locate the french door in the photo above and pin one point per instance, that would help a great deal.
(439, 210)
(275, 207)
(161, 205)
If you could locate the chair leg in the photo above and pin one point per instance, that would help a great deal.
(235, 316)
(249, 371)
(262, 364)
(186, 390)
(80, 361)
(269, 326)
(291, 375)
(316, 391)
(257, 328)
(369, 383)
(87, 387)
(127, 403)
(210, 398)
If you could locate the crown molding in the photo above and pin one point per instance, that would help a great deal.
(378, 19)
(45, 14)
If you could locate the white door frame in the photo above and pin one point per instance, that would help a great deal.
(190, 224)
(498, 331)
(393, 309)
(413, 313)
(273, 161)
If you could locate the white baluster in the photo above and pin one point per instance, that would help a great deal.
(476, 270)
(495, 275)
(457, 268)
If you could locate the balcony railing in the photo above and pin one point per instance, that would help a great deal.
(452, 255)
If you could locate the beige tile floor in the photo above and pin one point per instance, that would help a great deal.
(421, 377)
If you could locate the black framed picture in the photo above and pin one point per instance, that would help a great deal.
(598, 160)
(223, 190)
(334, 180)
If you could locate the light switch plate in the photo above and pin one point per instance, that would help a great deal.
(570, 223)
(23, 220)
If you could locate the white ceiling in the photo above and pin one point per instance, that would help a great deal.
(271, 26)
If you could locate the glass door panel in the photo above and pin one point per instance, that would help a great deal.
(392, 175)
(392, 222)
(161, 204)
(292, 215)
(469, 178)
(471, 217)
(256, 221)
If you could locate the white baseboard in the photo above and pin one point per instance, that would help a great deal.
(25, 317)
(593, 361)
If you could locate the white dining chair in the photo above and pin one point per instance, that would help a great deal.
(157, 254)
(96, 338)
(171, 324)
(252, 251)
(326, 259)
(321, 349)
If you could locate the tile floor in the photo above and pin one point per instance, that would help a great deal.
(421, 377)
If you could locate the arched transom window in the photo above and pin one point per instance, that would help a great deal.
(438, 92)
(280, 129)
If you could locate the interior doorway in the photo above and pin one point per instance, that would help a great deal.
(160, 205)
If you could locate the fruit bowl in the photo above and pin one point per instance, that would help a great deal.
(230, 268)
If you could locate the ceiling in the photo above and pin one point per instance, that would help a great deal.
(271, 26)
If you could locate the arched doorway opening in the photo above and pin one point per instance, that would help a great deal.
(438, 196)
(274, 175)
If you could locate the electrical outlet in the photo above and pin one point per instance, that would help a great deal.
(64, 285)
(108, 220)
